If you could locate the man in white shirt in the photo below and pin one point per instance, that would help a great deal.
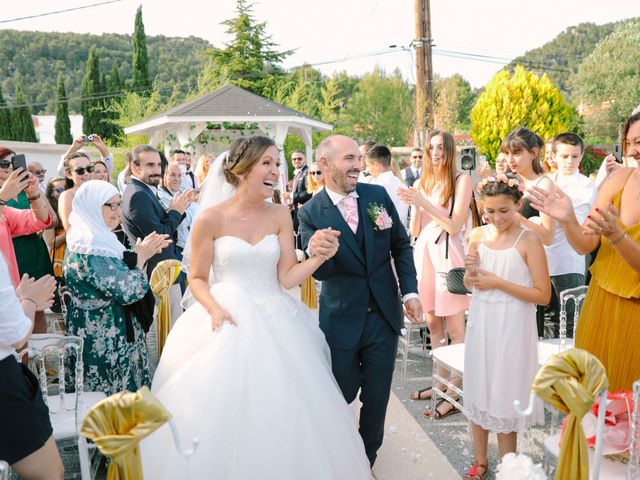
(365, 174)
(413, 171)
(379, 160)
(183, 159)
(566, 266)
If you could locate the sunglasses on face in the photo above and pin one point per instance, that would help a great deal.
(39, 172)
(113, 205)
(59, 189)
(81, 170)
(295, 159)
(5, 163)
(315, 173)
(418, 156)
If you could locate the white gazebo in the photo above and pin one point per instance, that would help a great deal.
(228, 105)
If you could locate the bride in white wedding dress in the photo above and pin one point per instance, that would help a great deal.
(246, 370)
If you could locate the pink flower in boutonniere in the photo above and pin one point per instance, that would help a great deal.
(380, 217)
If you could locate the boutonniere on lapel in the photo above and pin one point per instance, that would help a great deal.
(379, 216)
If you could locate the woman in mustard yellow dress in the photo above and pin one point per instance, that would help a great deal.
(609, 323)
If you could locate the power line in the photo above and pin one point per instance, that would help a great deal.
(59, 11)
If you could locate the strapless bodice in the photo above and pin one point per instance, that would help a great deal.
(253, 268)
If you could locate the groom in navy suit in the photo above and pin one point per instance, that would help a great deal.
(361, 311)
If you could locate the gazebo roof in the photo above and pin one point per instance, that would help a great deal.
(229, 104)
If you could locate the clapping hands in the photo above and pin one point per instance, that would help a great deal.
(603, 222)
(40, 291)
(411, 196)
(152, 244)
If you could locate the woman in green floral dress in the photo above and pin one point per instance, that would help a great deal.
(101, 284)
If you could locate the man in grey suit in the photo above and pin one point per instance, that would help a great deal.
(413, 171)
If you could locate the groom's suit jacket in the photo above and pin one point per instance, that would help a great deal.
(359, 277)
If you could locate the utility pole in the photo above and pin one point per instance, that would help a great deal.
(424, 71)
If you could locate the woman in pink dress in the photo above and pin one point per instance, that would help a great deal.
(439, 217)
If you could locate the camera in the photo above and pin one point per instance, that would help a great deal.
(468, 158)
(88, 139)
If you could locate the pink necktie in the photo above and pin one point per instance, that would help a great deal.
(351, 212)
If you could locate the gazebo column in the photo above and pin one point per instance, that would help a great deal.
(186, 133)
(307, 138)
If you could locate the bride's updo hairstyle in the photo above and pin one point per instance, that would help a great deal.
(243, 155)
(502, 184)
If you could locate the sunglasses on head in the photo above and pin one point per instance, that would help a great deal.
(113, 205)
(81, 170)
(315, 173)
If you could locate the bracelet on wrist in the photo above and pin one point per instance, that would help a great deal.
(35, 197)
(619, 239)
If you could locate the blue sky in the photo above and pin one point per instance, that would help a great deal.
(328, 30)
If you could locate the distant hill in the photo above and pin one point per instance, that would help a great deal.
(560, 57)
(38, 57)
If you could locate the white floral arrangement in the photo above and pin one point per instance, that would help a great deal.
(519, 467)
(379, 216)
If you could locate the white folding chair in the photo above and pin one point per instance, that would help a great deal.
(551, 346)
(633, 467)
(451, 358)
(66, 410)
(412, 339)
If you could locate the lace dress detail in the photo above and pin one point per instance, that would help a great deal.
(501, 347)
(259, 395)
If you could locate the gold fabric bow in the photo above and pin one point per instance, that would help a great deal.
(569, 381)
(162, 278)
(118, 423)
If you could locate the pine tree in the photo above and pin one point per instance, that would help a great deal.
(90, 106)
(63, 124)
(114, 88)
(140, 66)
(5, 119)
(22, 128)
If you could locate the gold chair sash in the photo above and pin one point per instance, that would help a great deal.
(569, 381)
(118, 423)
(308, 293)
(162, 278)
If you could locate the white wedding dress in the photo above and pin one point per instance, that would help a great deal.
(259, 395)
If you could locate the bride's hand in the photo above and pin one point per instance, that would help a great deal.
(218, 316)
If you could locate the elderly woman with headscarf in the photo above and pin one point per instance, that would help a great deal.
(101, 285)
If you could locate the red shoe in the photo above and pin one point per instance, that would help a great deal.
(476, 472)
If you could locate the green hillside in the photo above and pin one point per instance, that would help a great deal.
(560, 57)
(38, 57)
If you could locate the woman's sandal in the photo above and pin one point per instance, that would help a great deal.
(418, 394)
(476, 472)
(438, 415)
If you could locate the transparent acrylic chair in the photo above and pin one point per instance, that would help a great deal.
(48, 356)
(415, 336)
(633, 467)
(550, 346)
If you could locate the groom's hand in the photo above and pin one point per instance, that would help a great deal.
(324, 242)
(413, 310)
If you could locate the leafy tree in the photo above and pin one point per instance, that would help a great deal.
(22, 123)
(92, 103)
(63, 124)
(133, 108)
(300, 90)
(250, 60)
(115, 83)
(454, 99)
(521, 99)
(5, 119)
(331, 99)
(381, 108)
(608, 81)
(140, 68)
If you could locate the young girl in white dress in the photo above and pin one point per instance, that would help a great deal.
(506, 269)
